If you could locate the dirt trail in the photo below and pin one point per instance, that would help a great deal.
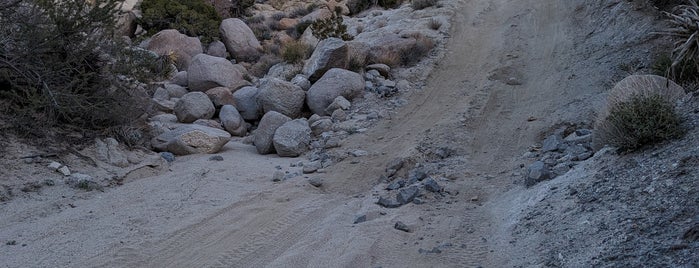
(504, 79)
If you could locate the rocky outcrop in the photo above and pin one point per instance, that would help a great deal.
(336, 82)
(264, 134)
(281, 96)
(206, 72)
(239, 40)
(191, 139)
(193, 106)
(178, 46)
(292, 138)
(330, 53)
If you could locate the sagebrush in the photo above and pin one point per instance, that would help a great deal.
(191, 17)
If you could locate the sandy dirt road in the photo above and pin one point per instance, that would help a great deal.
(510, 72)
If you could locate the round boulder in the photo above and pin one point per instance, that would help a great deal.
(264, 134)
(178, 46)
(206, 72)
(193, 106)
(245, 100)
(336, 82)
(240, 40)
(191, 139)
(232, 121)
(281, 96)
(292, 138)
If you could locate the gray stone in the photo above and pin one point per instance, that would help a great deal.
(316, 182)
(283, 71)
(163, 105)
(232, 121)
(54, 165)
(551, 143)
(191, 139)
(217, 49)
(292, 138)
(395, 185)
(358, 153)
(432, 186)
(278, 176)
(193, 106)
(239, 40)
(388, 203)
(330, 53)
(206, 72)
(264, 133)
(161, 94)
(583, 132)
(177, 46)
(82, 181)
(301, 81)
(380, 68)
(417, 174)
(216, 158)
(175, 90)
(338, 103)
(393, 166)
(402, 227)
(406, 195)
(180, 78)
(208, 123)
(168, 156)
(64, 170)
(320, 126)
(246, 103)
(339, 115)
(108, 151)
(335, 82)
(220, 96)
(359, 219)
(311, 167)
(281, 96)
(537, 172)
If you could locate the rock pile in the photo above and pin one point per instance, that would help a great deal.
(558, 154)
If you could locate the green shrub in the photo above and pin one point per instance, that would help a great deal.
(190, 17)
(59, 64)
(331, 27)
(422, 4)
(639, 111)
(295, 51)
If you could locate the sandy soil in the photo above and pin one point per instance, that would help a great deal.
(511, 71)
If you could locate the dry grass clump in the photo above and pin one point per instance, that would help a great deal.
(391, 58)
(435, 24)
(423, 46)
(422, 4)
(640, 110)
(295, 51)
(261, 67)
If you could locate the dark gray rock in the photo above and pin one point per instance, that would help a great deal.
(551, 143)
(330, 53)
(292, 138)
(432, 185)
(216, 158)
(406, 195)
(359, 219)
(245, 100)
(388, 202)
(537, 172)
(193, 106)
(232, 121)
(336, 82)
(402, 227)
(316, 182)
(191, 139)
(416, 174)
(168, 156)
(396, 185)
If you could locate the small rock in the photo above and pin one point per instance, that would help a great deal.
(168, 156)
(339, 115)
(551, 143)
(402, 227)
(311, 167)
(278, 176)
(388, 203)
(418, 201)
(216, 158)
(394, 166)
(583, 132)
(434, 250)
(359, 153)
(538, 171)
(416, 174)
(407, 194)
(54, 165)
(432, 186)
(396, 185)
(359, 219)
(64, 170)
(338, 103)
(316, 182)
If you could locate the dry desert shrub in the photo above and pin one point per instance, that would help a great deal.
(640, 110)
(423, 46)
(684, 29)
(295, 51)
(422, 4)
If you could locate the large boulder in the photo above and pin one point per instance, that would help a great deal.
(292, 138)
(178, 46)
(240, 40)
(220, 96)
(281, 96)
(191, 139)
(335, 82)
(206, 72)
(264, 134)
(245, 100)
(330, 53)
(193, 106)
(390, 46)
(232, 121)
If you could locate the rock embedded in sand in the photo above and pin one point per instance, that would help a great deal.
(191, 139)
(292, 138)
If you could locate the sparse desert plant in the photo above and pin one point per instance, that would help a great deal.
(389, 3)
(422, 4)
(684, 29)
(261, 31)
(331, 27)
(640, 110)
(190, 17)
(261, 67)
(295, 51)
(239, 7)
(59, 64)
(357, 6)
(423, 46)
(389, 58)
(684, 73)
(435, 24)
